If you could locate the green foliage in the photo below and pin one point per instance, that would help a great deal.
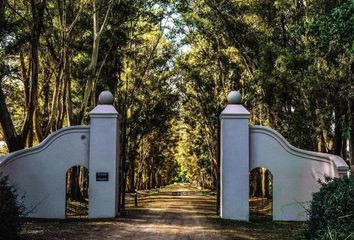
(10, 210)
(332, 210)
(170, 66)
(334, 31)
(291, 60)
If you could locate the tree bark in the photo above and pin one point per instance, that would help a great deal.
(97, 34)
(352, 132)
(337, 130)
(37, 9)
(218, 169)
(122, 173)
(14, 142)
(2, 14)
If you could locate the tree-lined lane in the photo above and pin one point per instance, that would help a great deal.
(175, 212)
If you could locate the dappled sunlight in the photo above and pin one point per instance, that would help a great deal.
(162, 216)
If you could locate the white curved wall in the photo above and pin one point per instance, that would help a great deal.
(295, 172)
(39, 173)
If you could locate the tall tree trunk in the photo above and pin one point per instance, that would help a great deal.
(352, 132)
(263, 181)
(344, 149)
(132, 173)
(46, 96)
(68, 101)
(97, 34)
(2, 13)
(122, 173)
(152, 179)
(132, 157)
(268, 182)
(139, 181)
(37, 125)
(338, 131)
(75, 183)
(17, 141)
(218, 169)
(14, 142)
(37, 8)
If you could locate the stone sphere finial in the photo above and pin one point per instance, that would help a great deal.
(234, 97)
(106, 98)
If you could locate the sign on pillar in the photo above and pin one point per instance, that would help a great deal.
(104, 159)
(234, 170)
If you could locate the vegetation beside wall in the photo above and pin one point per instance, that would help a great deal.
(11, 209)
(332, 210)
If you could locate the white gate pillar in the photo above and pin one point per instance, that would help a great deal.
(104, 159)
(234, 160)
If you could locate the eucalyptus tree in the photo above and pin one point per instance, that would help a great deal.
(20, 41)
(276, 50)
(329, 30)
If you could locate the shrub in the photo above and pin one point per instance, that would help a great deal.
(10, 210)
(332, 210)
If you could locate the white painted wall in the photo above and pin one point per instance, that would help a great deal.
(295, 172)
(104, 157)
(39, 173)
(234, 163)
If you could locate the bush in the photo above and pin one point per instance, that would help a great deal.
(332, 210)
(10, 210)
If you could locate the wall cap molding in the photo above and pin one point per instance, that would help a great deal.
(44, 144)
(317, 156)
(235, 111)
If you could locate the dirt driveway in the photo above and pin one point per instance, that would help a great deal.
(177, 212)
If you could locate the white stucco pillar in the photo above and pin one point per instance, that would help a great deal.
(104, 159)
(234, 160)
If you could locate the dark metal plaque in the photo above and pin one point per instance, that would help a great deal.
(102, 176)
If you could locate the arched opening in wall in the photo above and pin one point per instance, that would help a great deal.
(261, 195)
(77, 183)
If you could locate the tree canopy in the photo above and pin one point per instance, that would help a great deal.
(170, 65)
